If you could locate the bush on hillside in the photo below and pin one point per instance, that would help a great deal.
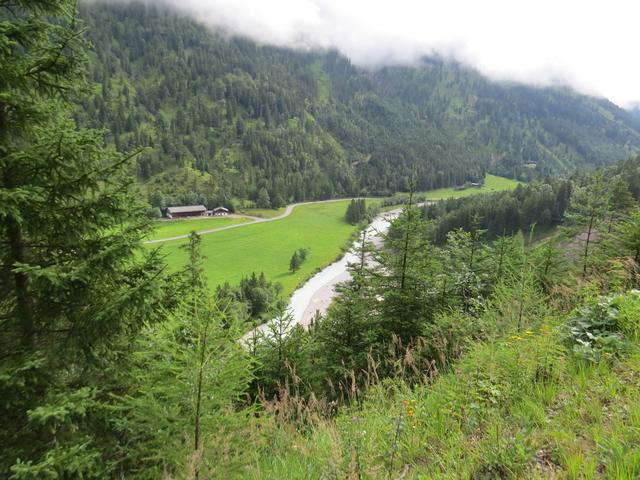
(597, 331)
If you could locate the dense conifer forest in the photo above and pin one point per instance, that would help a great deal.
(226, 119)
(496, 336)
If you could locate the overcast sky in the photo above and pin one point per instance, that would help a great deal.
(590, 45)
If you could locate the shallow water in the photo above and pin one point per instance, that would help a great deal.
(316, 294)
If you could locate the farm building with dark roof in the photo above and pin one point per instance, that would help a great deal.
(186, 211)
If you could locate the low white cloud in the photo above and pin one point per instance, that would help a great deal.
(590, 45)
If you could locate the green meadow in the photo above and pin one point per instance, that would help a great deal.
(267, 247)
(172, 228)
(492, 183)
(262, 212)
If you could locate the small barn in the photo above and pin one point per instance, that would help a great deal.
(186, 211)
(219, 211)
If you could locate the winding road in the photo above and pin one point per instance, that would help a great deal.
(284, 214)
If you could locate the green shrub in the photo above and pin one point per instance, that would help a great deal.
(594, 331)
(449, 335)
(628, 306)
(154, 213)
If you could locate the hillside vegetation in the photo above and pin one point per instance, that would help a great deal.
(275, 126)
(462, 350)
(520, 405)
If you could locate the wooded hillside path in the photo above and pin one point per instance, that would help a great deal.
(284, 214)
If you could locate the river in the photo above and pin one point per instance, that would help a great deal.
(317, 293)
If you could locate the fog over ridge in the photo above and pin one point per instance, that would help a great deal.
(589, 45)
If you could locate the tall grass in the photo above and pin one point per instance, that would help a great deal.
(520, 405)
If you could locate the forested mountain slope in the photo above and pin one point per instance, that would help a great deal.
(307, 125)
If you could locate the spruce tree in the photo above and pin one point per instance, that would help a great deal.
(469, 257)
(349, 215)
(74, 276)
(263, 199)
(294, 263)
(549, 265)
(627, 234)
(349, 332)
(356, 211)
(188, 373)
(406, 270)
(589, 205)
(278, 353)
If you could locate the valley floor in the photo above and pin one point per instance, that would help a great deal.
(267, 246)
(260, 246)
(167, 230)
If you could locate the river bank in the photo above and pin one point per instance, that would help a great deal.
(317, 293)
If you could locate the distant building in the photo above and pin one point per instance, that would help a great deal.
(186, 211)
(219, 211)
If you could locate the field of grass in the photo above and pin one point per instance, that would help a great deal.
(172, 228)
(262, 212)
(492, 183)
(267, 247)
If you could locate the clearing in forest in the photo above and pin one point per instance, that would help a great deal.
(268, 246)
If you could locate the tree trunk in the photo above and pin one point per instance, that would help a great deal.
(24, 305)
(15, 239)
(405, 253)
(500, 260)
(521, 306)
(203, 352)
(196, 434)
(362, 250)
(586, 248)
